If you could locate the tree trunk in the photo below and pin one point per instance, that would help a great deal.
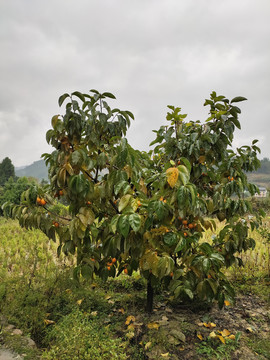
(150, 297)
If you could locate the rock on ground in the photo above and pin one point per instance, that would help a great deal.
(8, 355)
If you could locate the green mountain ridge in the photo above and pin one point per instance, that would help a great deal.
(37, 170)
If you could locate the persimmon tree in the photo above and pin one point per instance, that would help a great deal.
(136, 211)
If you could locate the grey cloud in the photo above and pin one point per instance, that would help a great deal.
(148, 53)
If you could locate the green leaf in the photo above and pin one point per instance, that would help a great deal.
(135, 221)
(236, 122)
(124, 202)
(79, 95)
(54, 120)
(206, 248)
(206, 265)
(213, 285)
(160, 209)
(218, 257)
(221, 299)
(119, 186)
(62, 98)
(109, 95)
(123, 225)
(238, 99)
(130, 114)
(186, 163)
(181, 245)
(182, 196)
(183, 174)
(86, 271)
(94, 91)
(76, 157)
(189, 293)
(165, 266)
(113, 224)
(170, 239)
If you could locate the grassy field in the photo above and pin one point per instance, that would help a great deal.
(100, 320)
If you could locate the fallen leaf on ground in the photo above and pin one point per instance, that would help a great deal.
(212, 334)
(147, 345)
(153, 325)
(48, 322)
(130, 335)
(227, 303)
(232, 337)
(225, 332)
(221, 338)
(165, 355)
(129, 319)
(79, 301)
(199, 336)
(122, 311)
(209, 325)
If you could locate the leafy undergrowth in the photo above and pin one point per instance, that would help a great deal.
(68, 320)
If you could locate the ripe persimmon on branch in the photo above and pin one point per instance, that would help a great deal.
(147, 212)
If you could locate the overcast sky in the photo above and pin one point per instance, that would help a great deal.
(149, 53)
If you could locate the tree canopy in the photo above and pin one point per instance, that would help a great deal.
(6, 170)
(130, 210)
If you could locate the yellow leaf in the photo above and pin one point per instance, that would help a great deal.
(200, 324)
(165, 355)
(130, 335)
(221, 338)
(79, 301)
(48, 322)
(147, 345)
(225, 332)
(213, 325)
(232, 337)
(199, 336)
(249, 329)
(143, 188)
(172, 176)
(93, 313)
(129, 319)
(227, 303)
(153, 325)
(122, 311)
(107, 297)
(213, 334)
(130, 327)
(206, 325)
(201, 159)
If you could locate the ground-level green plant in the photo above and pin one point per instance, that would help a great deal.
(214, 350)
(80, 338)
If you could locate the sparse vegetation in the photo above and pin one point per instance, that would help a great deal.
(45, 302)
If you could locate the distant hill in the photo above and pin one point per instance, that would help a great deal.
(37, 170)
